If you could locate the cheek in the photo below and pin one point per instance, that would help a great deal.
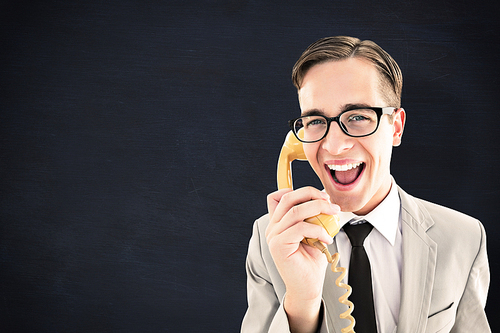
(384, 157)
(379, 152)
(311, 151)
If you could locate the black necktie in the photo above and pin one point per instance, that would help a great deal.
(360, 279)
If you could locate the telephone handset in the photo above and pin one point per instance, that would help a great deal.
(293, 150)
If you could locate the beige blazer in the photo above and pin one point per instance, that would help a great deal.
(444, 283)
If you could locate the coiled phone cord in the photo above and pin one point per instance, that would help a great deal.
(334, 260)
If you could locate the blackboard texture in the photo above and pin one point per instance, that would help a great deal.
(139, 140)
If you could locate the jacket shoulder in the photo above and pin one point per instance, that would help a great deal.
(442, 223)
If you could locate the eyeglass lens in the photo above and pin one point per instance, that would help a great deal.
(359, 122)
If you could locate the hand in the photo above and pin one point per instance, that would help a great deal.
(301, 266)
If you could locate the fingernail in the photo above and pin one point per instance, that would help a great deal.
(335, 208)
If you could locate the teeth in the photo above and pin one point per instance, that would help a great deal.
(344, 167)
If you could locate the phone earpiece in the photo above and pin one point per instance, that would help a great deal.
(292, 150)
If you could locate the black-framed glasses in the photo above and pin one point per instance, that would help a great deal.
(357, 123)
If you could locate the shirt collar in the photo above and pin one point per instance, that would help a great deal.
(384, 218)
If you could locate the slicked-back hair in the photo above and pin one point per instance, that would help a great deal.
(343, 47)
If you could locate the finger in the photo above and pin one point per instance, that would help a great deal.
(274, 198)
(299, 213)
(288, 241)
(292, 198)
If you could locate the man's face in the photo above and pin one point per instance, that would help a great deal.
(329, 88)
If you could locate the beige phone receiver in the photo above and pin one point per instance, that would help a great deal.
(293, 150)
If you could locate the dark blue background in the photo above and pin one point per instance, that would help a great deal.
(139, 140)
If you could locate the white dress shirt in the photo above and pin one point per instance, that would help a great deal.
(385, 252)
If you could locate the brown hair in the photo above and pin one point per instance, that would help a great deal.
(342, 47)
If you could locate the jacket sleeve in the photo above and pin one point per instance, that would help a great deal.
(471, 316)
(265, 289)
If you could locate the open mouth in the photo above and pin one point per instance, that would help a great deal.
(346, 174)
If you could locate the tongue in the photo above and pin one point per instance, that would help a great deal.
(347, 177)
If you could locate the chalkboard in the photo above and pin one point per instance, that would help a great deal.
(139, 140)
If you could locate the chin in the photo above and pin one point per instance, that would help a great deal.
(347, 200)
(349, 207)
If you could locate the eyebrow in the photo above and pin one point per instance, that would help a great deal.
(345, 107)
(313, 112)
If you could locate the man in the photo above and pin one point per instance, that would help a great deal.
(429, 267)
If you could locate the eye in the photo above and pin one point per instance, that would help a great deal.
(360, 116)
(314, 121)
(357, 117)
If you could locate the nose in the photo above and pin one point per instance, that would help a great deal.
(336, 141)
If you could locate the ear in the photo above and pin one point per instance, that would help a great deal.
(398, 125)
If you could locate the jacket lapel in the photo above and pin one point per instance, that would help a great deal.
(419, 263)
